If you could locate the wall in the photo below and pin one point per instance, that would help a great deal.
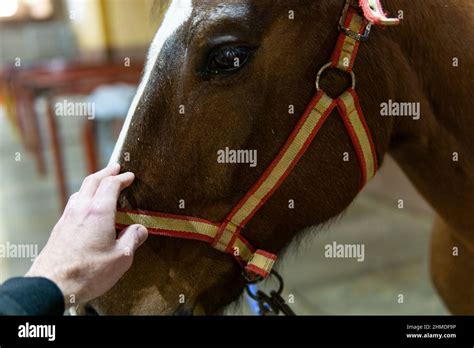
(125, 24)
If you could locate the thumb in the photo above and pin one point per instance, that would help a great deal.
(132, 237)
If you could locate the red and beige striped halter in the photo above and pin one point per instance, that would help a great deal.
(355, 25)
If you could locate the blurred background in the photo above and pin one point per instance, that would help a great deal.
(91, 53)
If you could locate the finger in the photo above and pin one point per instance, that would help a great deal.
(131, 238)
(72, 198)
(92, 182)
(109, 189)
(71, 203)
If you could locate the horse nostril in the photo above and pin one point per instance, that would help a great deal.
(89, 310)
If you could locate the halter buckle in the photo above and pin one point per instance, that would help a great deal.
(356, 36)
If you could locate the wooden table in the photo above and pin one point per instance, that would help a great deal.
(24, 86)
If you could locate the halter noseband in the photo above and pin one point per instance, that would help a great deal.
(225, 236)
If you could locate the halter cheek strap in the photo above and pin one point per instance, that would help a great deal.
(226, 236)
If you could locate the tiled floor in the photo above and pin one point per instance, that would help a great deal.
(395, 240)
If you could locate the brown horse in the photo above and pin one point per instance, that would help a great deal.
(193, 102)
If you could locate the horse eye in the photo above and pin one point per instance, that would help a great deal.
(227, 59)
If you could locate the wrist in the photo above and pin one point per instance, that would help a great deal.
(60, 282)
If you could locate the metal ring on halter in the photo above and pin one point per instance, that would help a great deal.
(279, 278)
(328, 66)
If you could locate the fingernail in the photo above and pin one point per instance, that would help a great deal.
(142, 233)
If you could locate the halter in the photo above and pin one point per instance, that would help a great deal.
(226, 235)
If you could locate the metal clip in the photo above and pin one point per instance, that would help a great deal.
(272, 304)
(356, 36)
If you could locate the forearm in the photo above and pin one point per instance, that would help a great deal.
(30, 296)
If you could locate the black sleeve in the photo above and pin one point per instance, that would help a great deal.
(30, 296)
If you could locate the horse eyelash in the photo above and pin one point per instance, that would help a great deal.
(207, 74)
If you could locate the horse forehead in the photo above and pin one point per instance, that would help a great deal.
(177, 14)
(211, 11)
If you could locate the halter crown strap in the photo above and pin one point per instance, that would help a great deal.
(226, 236)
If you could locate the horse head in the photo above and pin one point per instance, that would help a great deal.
(228, 75)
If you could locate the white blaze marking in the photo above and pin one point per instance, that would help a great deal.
(176, 15)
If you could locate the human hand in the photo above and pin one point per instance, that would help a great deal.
(83, 256)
